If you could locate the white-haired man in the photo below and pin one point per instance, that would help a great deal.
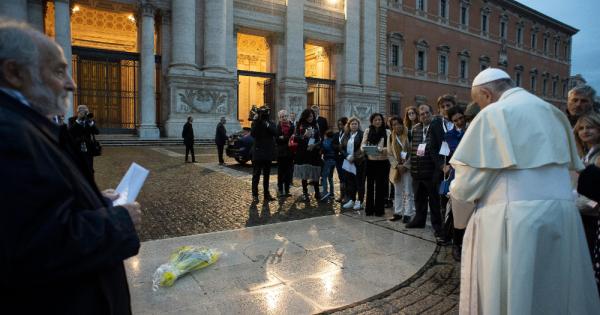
(524, 250)
(62, 243)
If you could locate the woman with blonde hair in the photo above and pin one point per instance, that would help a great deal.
(404, 205)
(411, 118)
(587, 138)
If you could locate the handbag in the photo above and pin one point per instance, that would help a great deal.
(293, 144)
(96, 147)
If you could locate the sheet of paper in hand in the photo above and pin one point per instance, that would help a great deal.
(445, 149)
(371, 150)
(131, 184)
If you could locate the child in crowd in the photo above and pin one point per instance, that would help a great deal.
(328, 166)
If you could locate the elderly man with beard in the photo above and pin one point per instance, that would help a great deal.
(524, 250)
(62, 243)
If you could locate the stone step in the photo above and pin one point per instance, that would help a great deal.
(117, 140)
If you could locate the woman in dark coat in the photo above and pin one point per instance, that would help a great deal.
(307, 162)
(285, 157)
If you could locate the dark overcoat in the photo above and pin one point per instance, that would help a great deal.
(283, 149)
(264, 133)
(188, 134)
(220, 134)
(62, 244)
(303, 156)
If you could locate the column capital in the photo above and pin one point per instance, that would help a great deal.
(147, 9)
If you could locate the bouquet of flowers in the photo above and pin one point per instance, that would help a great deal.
(185, 259)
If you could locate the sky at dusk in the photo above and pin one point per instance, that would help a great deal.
(583, 15)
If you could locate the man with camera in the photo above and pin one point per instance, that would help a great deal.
(82, 129)
(263, 131)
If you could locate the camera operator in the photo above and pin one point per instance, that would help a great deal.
(82, 128)
(263, 131)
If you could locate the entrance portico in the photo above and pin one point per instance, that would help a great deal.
(181, 58)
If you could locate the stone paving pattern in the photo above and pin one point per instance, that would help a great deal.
(183, 199)
(434, 290)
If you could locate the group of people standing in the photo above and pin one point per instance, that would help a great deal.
(299, 147)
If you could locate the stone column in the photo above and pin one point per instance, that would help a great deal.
(231, 38)
(35, 14)
(183, 37)
(215, 36)
(165, 54)
(337, 60)
(148, 129)
(369, 43)
(293, 85)
(62, 29)
(277, 65)
(14, 9)
(352, 43)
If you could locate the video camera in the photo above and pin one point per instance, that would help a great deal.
(262, 112)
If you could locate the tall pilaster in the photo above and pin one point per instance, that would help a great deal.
(231, 38)
(62, 29)
(293, 86)
(165, 54)
(358, 95)
(352, 43)
(369, 43)
(183, 57)
(148, 129)
(277, 51)
(14, 9)
(35, 14)
(215, 36)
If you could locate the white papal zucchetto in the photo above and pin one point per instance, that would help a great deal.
(488, 75)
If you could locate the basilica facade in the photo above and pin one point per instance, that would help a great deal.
(144, 66)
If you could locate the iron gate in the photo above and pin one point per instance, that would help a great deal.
(108, 83)
(321, 92)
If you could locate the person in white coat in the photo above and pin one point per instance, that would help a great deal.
(524, 250)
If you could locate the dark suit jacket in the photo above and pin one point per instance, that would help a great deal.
(62, 244)
(263, 148)
(220, 135)
(337, 146)
(323, 126)
(188, 134)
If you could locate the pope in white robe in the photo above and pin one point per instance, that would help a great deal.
(524, 251)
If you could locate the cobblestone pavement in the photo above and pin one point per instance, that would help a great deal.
(184, 198)
(433, 290)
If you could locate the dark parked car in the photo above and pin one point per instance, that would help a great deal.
(239, 146)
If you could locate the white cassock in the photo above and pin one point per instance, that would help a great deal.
(524, 251)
